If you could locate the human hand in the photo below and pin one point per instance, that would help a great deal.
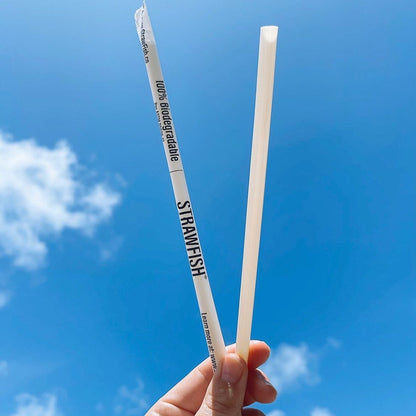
(235, 384)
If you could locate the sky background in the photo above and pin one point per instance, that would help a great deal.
(97, 308)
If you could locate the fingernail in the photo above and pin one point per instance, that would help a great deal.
(232, 368)
(264, 379)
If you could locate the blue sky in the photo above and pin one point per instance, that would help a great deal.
(97, 310)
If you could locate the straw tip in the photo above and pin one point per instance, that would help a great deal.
(139, 11)
(138, 14)
(269, 33)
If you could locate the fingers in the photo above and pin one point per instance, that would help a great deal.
(189, 393)
(225, 393)
(259, 388)
(258, 354)
(252, 412)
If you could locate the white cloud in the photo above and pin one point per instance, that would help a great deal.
(43, 191)
(28, 405)
(290, 366)
(131, 401)
(321, 411)
(5, 297)
(3, 368)
(276, 413)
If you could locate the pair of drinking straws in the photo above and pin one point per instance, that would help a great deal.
(261, 131)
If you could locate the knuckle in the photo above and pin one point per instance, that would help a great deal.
(221, 402)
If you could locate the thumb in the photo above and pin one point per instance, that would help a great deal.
(225, 393)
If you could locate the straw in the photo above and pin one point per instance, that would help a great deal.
(261, 131)
(211, 326)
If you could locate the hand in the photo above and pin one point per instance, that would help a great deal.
(235, 384)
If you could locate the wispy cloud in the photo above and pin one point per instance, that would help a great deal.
(42, 192)
(5, 297)
(99, 407)
(321, 411)
(28, 405)
(3, 368)
(109, 250)
(276, 412)
(334, 343)
(131, 401)
(290, 365)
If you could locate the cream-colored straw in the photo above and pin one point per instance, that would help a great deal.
(261, 131)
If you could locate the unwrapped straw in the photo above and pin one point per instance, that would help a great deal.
(261, 132)
(212, 330)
